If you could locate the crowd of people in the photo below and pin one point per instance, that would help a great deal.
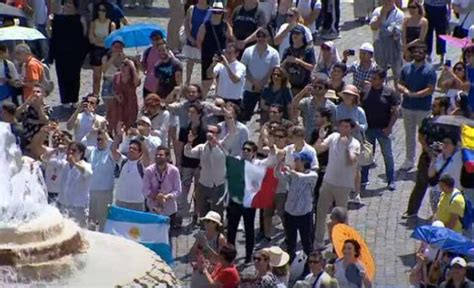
(318, 126)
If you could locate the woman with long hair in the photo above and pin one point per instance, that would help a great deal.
(282, 37)
(276, 92)
(263, 272)
(124, 106)
(212, 38)
(454, 81)
(100, 27)
(414, 27)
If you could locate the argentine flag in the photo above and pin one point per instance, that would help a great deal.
(150, 230)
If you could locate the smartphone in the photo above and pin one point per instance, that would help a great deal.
(351, 52)
(447, 63)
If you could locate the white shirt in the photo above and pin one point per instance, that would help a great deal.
(269, 7)
(290, 150)
(160, 124)
(54, 171)
(286, 41)
(304, 6)
(310, 278)
(464, 13)
(225, 87)
(395, 19)
(103, 166)
(130, 183)
(241, 135)
(259, 65)
(84, 124)
(338, 171)
(76, 185)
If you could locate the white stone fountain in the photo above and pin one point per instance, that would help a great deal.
(39, 246)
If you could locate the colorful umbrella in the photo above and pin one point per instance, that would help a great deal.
(456, 42)
(444, 239)
(343, 232)
(20, 33)
(134, 35)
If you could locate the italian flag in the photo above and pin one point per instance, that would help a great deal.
(252, 185)
(467, 139)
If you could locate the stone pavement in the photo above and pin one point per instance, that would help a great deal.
(378, 220)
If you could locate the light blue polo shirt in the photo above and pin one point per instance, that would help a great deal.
(258, 64)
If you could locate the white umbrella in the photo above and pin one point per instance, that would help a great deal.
(20, 33)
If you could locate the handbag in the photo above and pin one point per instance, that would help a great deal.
(366, 156)
(460, 32)
(433, 181)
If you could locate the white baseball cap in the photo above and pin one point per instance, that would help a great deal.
(458, 261)
(367, 47)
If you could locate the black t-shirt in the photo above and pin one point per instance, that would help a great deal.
(245, 22)
(200, 139)
(298, 76)
(165, 73)
(377, 105)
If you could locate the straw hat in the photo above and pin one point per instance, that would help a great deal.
(217, 6)
(213, 216)
(331, 94)
(278, 257)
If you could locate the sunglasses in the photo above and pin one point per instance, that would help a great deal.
(412, 7)
(102, 10)
(210, 131)
(218, 12)
(418, 52)
(279, 136)
(319, 87)
(257, 259)
(458, 68)
(276, 74)
(246, 149)
(290, 15)
(313, 262)
(261, 35)
(100, 139)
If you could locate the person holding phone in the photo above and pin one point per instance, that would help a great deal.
(453, 81)
(361, 70)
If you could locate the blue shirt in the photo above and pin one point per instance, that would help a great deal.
(417, 79)
(470, 77)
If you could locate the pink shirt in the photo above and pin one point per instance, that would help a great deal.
(167, 183)
(153, 59)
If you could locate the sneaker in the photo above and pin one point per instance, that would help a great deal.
(407, 165)
(391, 186)
(408, 216)
(356, 200)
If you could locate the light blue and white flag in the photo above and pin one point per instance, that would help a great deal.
(150, 230)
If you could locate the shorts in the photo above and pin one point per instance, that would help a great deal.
(108, 89)
(278, 206)
(96, 54)
(192, 53)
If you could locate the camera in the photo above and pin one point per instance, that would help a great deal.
(219, 55)
(350, 52)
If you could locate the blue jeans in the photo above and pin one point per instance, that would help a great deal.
(386, 148)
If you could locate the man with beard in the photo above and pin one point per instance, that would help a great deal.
(162, 185)
(417, 82)
(169, 72)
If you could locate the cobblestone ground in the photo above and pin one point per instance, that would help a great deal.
(378, 220)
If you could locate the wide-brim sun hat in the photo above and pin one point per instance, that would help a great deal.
(351, 90)
(278, 257)
(214, 217)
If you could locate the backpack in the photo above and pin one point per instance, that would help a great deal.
(46, 80)
(468, 218)
(118, 170)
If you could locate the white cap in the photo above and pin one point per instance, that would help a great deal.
(458, 261)
(437, 223)
(367, 47)
(471, 32)
(144, 119)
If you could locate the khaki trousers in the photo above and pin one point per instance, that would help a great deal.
(328, 194)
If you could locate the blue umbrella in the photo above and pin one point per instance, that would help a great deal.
(134, 35)
(444, 239)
